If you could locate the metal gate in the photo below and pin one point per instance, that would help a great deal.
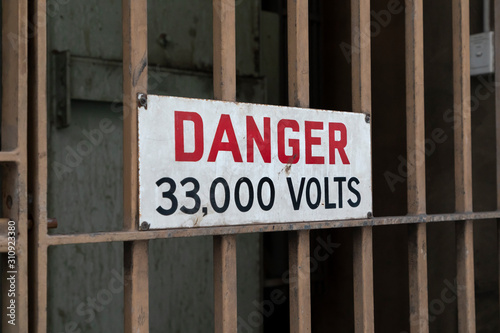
(24, 152)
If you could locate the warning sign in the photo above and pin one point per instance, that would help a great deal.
(211, 163)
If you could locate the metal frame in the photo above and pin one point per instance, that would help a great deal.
(135, 70)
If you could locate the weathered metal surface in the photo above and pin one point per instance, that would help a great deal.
(225, 284)
(415, 120)
(37, 181)
(363, 279)
(179, 32)
(361, 102)
(119, 236)
(300, 281)
(135, 82)
(224, 247)
(463, 166)
(62, 89)
(298, 95)
(101, 81)
(417, 260)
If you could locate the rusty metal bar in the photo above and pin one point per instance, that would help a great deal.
(415, 114)
(298, 53)
(361, 102)
(298, 95)
(417, 260)
(37, 127)
(224, 45)
(463, 166)
(123, 236)
(300, 295)
(361, 60)
(38, 167)
(415, 129)
(51, 223)
(14, 138)
(363, 279)
(225, 275)
(465, 277)
(225, 288)
(461, 92)
(10, 156)
(135, 79)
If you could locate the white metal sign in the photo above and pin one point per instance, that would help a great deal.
(211, 163)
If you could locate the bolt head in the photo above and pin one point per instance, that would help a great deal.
(143, 100)
(145, 226)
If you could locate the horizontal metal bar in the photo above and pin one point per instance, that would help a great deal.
(124, 236)
(9, 156)
(51, 223)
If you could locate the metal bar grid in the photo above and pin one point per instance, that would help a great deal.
(136, 242)
(123, 236)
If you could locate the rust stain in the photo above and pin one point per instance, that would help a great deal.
(197, 221)
(142, 317)
(140, 69)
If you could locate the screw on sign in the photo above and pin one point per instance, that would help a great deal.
(143, 100)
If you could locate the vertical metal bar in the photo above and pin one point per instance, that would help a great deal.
(363, 280)
(300, 294)
(135, 76)
(14, 137)
(224, 34)
(415, 128)
(298, 53)
(463, 166)
(225, 288)
(361, 61)
(465, 277)
(461, 91)
(298, 95)
(417, 259)
(496, 8)
(224, 248)
(38, 166)
(361, 102)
